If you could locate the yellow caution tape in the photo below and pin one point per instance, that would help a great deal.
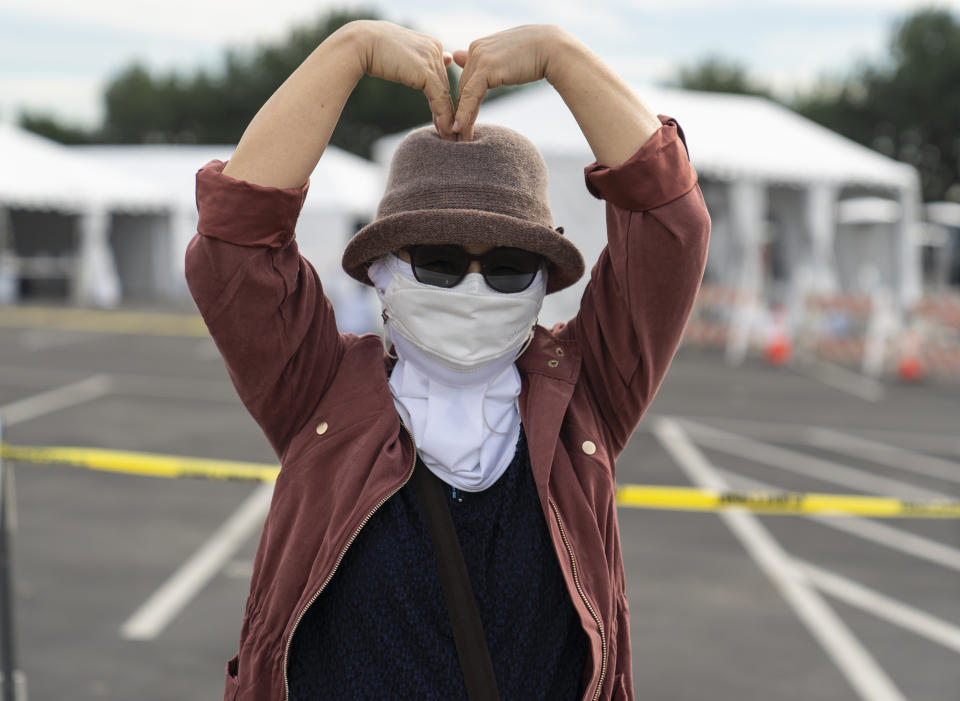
(693, 499)
(629, 495)
(103, 321)
(148, 464)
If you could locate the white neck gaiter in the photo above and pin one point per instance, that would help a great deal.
(455, 384)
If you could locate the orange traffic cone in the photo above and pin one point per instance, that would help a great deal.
(779, 350)
(909, 367)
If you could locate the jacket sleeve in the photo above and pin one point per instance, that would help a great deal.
(262, 302)
(643, 286)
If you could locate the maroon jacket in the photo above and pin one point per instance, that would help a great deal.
(322, 398)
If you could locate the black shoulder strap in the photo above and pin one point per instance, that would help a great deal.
(468, 632)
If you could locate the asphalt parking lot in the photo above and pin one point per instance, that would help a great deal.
(131, 587)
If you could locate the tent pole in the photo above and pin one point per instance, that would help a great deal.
(748, 216)
(7, 660)
(96, 281)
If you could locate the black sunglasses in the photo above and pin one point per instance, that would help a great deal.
(505, 269)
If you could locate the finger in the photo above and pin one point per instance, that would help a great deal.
(437, 91)
(442, 116)
(468, 70)
(460, 57)
(462, 81)
(468, 106)
(445, 125)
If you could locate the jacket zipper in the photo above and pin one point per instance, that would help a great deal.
(303, 611)
(593, 612)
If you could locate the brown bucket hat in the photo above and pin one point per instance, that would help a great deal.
(491, 190)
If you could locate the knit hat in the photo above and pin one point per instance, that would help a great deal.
(491, 190)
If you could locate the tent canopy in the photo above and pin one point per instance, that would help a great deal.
(341, 181)
(730, 137)
(37, 173)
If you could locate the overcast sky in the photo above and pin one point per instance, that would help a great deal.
(58, 54)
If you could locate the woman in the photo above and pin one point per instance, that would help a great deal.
(522, 425)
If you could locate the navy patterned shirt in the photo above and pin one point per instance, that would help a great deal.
(380, 630)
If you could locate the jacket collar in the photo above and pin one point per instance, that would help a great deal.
(547, 355)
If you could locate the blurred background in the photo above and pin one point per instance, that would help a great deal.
(827, 141)
(825, 136)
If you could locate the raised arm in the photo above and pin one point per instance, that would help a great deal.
(261, 300)
(644, 283)
(613, 119)
(284, 142)
(646, 279)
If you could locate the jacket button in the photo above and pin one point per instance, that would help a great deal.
(589, 447)
(322, 428)
(560, 352)
(553, 363)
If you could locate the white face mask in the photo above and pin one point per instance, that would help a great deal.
(463, 327)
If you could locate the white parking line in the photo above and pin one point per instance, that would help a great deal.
(840, 378)
(55, 399)
(782, 431)
(806, 465)
(927, 442)
(883, 607)
(165, 603)
(862, 672)
(788, 432)
(874, 531)
(886, 454)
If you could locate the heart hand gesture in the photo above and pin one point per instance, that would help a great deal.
(511, 57)
(401, 55)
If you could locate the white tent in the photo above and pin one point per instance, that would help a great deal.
(343, 193)
(754, 157)
(40, 175)
(942, 239)
(37, 173)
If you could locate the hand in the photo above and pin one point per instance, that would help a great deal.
(511, 57)
(416, 60)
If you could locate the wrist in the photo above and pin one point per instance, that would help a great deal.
(354, 40)
(561, 50)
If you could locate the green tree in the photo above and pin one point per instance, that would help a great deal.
(52, 128)
(216, 106)
(908, 107)
(717, 74)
